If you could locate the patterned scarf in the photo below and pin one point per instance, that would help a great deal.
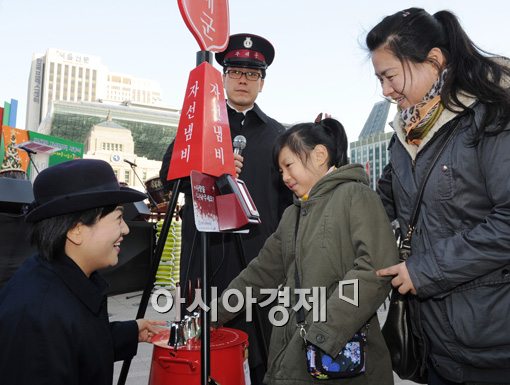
(419, 119)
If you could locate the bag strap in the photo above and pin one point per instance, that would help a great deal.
(406, 242)
(300, 314)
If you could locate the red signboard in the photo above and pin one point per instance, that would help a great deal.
(204, 191)
(217, 211)
(208, 22)
(203, 141)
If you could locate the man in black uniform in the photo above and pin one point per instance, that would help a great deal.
(244, 63)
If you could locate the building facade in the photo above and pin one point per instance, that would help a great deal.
(124, 88)
(60, 75)
(152, 128)
(371, 148)
(111, 142)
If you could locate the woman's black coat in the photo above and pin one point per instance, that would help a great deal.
(54, 327)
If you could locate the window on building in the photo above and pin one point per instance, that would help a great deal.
(127, 176)
(111, 146)
(66, 80)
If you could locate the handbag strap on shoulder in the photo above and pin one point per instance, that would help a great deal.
(406, 243)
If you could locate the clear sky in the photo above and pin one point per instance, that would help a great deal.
(320, 65)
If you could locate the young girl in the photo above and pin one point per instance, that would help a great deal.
(459, 266)
(336, 230)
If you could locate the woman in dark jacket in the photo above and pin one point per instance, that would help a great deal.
(459, 268)
(54, 325)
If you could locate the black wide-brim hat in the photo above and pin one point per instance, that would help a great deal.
(247, 51)
(77, 185)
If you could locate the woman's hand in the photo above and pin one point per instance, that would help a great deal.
(238, 163)
(148, 328)
(401, 278)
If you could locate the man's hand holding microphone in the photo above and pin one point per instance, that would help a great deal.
(239, 145)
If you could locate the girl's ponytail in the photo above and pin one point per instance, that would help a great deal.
(302, 138)
(335, 130)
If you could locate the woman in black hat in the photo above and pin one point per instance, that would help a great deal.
(53, 318)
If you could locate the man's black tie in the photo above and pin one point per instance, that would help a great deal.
(235, 119)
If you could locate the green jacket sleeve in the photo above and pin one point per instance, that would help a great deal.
(266, 271)
(375, 248)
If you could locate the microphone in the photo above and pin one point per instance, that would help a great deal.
(27, 150)
(132, 164)
(239, 144)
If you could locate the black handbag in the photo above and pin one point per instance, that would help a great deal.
(407, 352)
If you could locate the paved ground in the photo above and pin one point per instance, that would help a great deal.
(124, 307)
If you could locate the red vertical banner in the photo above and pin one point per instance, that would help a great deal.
(208, 22)
(203, 141)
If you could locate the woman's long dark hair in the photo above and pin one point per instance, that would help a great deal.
(302, 138)
(411, 34)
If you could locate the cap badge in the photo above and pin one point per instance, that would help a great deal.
(247, 42)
